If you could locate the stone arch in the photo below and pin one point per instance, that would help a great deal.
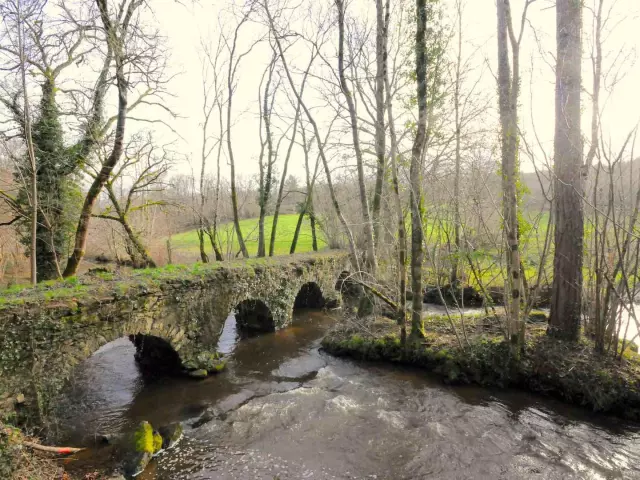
(155, 354)
(309, 296)
(254, 316)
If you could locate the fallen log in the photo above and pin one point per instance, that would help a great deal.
(36, 446)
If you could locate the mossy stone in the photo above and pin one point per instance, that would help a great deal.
(157, 442)
(138, 449)
(200, 373)
(143, 435)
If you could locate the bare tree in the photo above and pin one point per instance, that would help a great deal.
(371, 261)
(276, 213)
(307, 207)
(147, 165)
(397, 201)
(13, 10)
(321, 150)
(210, 98)
(213, 97)
(232, 70)
(508, 95)
(266, 167)
(120, 31)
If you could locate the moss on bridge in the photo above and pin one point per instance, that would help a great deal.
(98, 286)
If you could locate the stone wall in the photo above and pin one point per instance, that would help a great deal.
(41, 342)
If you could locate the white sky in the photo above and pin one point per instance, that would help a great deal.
(185, 25)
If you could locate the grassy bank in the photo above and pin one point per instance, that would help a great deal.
(570, 372)
(188, 241)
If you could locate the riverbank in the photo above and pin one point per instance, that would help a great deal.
(570, 372)
(18, 460)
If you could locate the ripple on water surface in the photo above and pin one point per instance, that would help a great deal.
(291, 412)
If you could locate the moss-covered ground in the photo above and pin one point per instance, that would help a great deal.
(570, 372)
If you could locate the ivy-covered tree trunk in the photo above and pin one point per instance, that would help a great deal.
(415, 171)
(53, 182)
(380, 133)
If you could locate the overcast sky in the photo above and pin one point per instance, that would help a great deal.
(186, 25)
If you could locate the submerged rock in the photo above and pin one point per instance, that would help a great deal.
(222, 408)
(138, 448)
(170, 434)
(204, 364)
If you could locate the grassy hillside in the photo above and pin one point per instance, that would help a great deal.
(188, 241)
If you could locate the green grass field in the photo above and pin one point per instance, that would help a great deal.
(188, 241)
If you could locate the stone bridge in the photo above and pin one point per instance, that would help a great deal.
(174, 316)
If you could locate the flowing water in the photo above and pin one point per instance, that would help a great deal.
(292, 412)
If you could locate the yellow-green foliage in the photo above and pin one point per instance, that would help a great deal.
(144, 438)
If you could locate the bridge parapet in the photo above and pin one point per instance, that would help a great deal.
(47, 331)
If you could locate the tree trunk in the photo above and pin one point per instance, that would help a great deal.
(140, 258)
(415, 171)
(266, 175)
(456, 179)
(296, 233)
(201, 232)
(312, 221)
(307, 208)
(381, 67)
(232, 163)
(145, 259)
(508, 88)
(566, 299)
(216, 203)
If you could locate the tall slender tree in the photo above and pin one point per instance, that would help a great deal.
(566, 299)
(232, 70)
(380, 133)
(266, 167)
(508, 95)
(397, 200)
(371, 262)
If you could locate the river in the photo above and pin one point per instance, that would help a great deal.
(293, 412)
